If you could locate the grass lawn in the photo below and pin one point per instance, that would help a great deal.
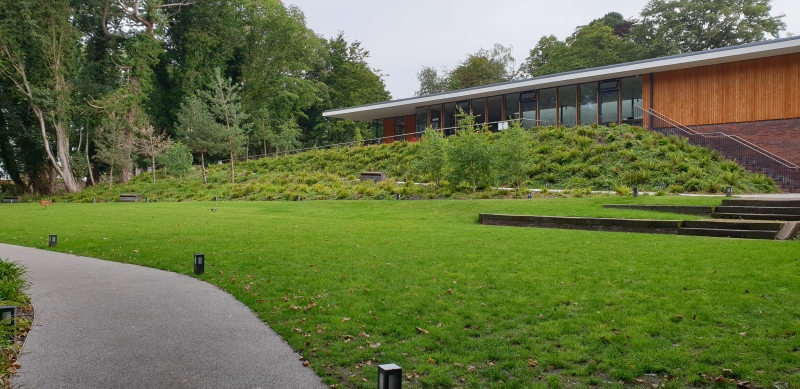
(354, 284)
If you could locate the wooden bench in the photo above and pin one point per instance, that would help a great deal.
(373, 176)
(12, 199)
(129, 198)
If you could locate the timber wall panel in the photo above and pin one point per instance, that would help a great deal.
(411, 127)
(744, 91)
(388, 130)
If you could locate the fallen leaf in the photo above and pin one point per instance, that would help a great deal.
(727, 371)
(305, 363)
(420, 330)
(345, 319)
(374, 345)
(532, 364)
(744, 384)
(431, 360)
(470, 368)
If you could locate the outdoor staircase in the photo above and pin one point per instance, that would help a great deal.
(753, 158)
(746, 209)
(750, 229)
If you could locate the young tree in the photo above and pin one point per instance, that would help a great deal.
(112, 145)
(37, 53)
(222, 99)
(430, 81)
(470, 156)
(286, 138)
(433, 154)
(671, 27)
(198, 128)
(177, 159)
(513, 152)
(151, 144)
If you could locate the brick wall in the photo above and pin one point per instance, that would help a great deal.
(780, 137)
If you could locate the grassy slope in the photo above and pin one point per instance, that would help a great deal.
(591, 308)
(583, 157)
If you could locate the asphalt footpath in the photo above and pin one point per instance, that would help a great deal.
(102, 324)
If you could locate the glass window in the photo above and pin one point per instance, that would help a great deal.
(462, 107)
(529, 114)
(479, 110)
(529, 95)
(399, 128)
(512, 106)
(631, 98)
(449, 121)
(609, 107)
(436, 115)
(567, 105)
(377, 128)
(588, 103)
(495, 111)
(547, 107)
(422, 120)
(609, 84)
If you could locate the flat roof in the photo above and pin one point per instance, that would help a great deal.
(402, 107)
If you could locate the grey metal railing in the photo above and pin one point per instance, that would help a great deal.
(752, 157)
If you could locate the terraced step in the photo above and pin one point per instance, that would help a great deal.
(764, 210)
(754, 216)
(761, 203)
(729, 224)
(720, 233)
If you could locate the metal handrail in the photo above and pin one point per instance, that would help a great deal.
(736, 139)
(374, 141)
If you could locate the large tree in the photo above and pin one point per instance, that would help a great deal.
(38, 49)
(671, 27)
(222, 99)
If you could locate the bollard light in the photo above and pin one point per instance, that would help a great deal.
(8, 315)
(94, 200)
(530, 195)
(298, 198)
(53, 240)
(199, 263)
(398, 196)
(546, 184)
(216, 198)
(661, 187)
(635, 191)
(729, 191)
(390, 376)
(381, 197)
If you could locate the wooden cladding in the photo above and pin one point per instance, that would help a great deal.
(388, 130)
(744, 91)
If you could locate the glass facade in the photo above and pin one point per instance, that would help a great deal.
(479, 110)
(547, 107)
(512, 107)
(631, 98)
(449, 118)
(422, 121)
(567, 106)
(587, 98)
(436, 116)
(494, 111)
(603, 102)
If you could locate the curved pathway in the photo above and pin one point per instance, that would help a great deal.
(102, 324)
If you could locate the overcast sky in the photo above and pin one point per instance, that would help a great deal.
(404, 35)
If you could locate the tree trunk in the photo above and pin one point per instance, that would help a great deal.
(111, 177)
(153, 162)
(233, 178)
(203, 167)
(89, 176)
(265, 148)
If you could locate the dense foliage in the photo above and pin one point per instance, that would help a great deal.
(12, 285)
(472, 164)
(82, 82)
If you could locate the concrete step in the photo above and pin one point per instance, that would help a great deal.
(732, 224)
(720, 233)
(753, 216)
(764, 210)
(761, 203)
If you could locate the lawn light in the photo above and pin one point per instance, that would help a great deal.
(94, 200)
(381, 197)
(199, 263)
(390, 376)
(546, 184)
(53, 240)
(661, 187)
(729, 191)
(635, 191)
(147, 200)
(216, 198)
(8, 315)
(397, 196)
(298, 198)
(530, 195)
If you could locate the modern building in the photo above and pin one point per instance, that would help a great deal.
(750, 92)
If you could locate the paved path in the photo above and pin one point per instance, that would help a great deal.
(102, 324)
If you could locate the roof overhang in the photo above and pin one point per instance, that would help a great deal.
(404, 107)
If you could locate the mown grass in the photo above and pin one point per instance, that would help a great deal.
(580, 159)
(347, 283)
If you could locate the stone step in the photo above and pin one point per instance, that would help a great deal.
(765, 210)
(761, 203)
(753, 216)
(732, 224)
(720, 233)
(685, 209)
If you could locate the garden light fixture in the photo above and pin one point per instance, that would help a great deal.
(635, 191)
(8, 315)
(390, 376)
(729, 191)
(199, 263)
(53, 240)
